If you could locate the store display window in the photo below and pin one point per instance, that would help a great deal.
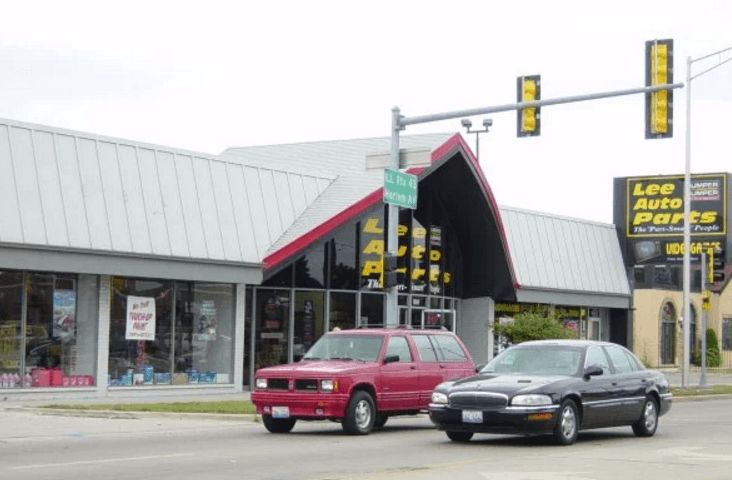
(48, 329)
(170, 333)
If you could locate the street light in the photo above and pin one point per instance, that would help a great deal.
(487, 123)
(687, 208)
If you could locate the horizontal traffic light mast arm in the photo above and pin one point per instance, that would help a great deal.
(404, 121)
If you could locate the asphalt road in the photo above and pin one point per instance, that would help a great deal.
(694, 441)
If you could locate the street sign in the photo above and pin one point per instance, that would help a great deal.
(400, 189)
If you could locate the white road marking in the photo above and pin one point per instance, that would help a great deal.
(689, 454)
(534, 476)
(108, 460)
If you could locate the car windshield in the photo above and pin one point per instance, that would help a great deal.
(345, 347)
(537, 360)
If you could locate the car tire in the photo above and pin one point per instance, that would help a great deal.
(360, 414)
(381, 419)
(565, 431)
(648, 422)
(461, 437)
(278, 425)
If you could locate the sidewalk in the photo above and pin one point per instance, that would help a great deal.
(674, 377)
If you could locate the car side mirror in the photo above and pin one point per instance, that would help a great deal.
(391, 358)
(479, 367)
(591, 371)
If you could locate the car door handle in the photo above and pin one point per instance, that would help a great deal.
(643, 380)
(442, 366)
(413, 367)
(614, 384)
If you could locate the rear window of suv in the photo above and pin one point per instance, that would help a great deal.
(450, 348)
(424, 347)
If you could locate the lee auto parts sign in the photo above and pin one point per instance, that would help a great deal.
(651, 213)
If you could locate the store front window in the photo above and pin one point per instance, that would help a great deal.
(372, 310)
(147, 347)
(272, 329)
(48, 329)
(309, 317)
(342, 310)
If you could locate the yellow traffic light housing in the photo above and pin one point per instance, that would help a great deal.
(529, 119)
(659, 104)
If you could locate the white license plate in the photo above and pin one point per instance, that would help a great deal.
(280, 412)
(472, 416)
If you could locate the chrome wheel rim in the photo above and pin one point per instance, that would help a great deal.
(649, 416)
(363, 414)
(569, 422)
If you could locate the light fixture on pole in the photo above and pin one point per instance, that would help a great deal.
(487, 123)
(687, 210)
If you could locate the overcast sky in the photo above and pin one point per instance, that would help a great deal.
(205, 76)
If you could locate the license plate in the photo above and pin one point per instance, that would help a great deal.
(472, 416)
(280, 412)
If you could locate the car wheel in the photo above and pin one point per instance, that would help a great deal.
(360, 414)
(278, 425)
(565, 431)
(459, 436)
(648, 422)
(381, 419)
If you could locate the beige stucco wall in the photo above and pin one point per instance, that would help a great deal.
(647, 322)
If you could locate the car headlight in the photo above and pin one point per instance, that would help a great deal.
(328, 385)
(531, 400)
(439, 397)
(261, 383)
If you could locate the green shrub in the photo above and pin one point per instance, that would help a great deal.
(714, 356)
(535, 324)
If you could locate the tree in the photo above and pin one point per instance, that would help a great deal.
(535, 324)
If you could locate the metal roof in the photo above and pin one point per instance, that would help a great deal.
(337, 157)
(561, 254)
(79, 191)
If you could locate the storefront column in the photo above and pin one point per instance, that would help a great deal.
(239, 327)
(105, 302)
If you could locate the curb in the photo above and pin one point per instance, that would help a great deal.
(135, 415)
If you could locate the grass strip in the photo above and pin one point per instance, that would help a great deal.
(246, 407)
(694, 391)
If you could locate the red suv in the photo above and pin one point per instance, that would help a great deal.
(360, 377)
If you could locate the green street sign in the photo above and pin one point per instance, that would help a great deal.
(400, 189)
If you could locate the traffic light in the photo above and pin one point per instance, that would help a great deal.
(716, 265)
(659, 104)
(391, 277)
(529, 119)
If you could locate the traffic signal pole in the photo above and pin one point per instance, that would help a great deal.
(687, 210)
(399, 122)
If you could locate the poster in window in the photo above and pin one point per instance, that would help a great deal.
(205, 327)
(140, 318)
(64, 310)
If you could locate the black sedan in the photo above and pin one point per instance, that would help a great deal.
(555, 387)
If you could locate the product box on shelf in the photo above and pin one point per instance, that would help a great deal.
(148, 375)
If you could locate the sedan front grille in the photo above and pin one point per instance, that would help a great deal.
(306, 384)
(483, 400)
(278, 384)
